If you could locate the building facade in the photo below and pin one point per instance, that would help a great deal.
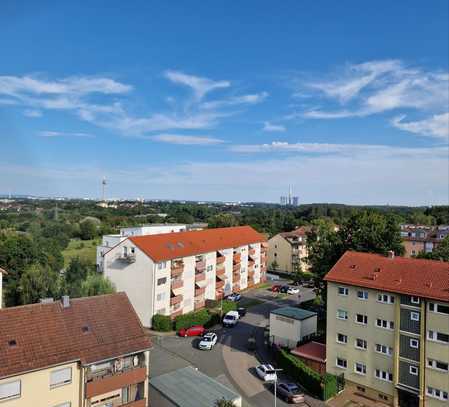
(1, 286)
(388, 328)
(175, 273)
(422, 239)
(84, 352)
(287, 251)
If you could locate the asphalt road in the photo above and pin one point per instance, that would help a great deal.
(229, 362)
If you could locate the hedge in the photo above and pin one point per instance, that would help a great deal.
(200, 317)
(330, 386)
(162, 323)
(229, 306)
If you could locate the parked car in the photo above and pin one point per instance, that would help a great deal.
(231, 318)
(293, 290)
(208, 341)
(266, 372)
(290, 392)
(234, 297)
(275, 288)
(284, 289)
(241, 311)
(196, 330)
(309, 284)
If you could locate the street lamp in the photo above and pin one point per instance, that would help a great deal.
(275, 385)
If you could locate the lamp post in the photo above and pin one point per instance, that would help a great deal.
(275, 385)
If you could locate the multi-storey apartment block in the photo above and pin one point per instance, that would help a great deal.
(422, 239)
(288, 250)
(86, 352)
(388, 328)
(175, 273)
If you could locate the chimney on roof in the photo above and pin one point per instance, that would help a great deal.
(390, 254)
(65, 301)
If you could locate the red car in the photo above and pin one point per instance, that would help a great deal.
(275, 288)
(196, 330)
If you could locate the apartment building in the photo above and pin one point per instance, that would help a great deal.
(175, 273)
(85, 352)
(388, 328)
(1, 286)
(288, 250)
(422, 239)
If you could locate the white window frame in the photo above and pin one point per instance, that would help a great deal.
(66, 404)
(342, 342)
(432, 364)
(432, 392)
(13, 396)
(360, 347)
(364, 296)
(63, 383)
(414, 300)
(435, 307)
(389, 324)
(385, 298)
(381, 375)
(388, 349)
(412, 342)
(345, 291)
(363, 366)
(365, 319)
(161, 265)
(414, 316)
(345, 313)
(339, 366)
(413, 370)
(434, 337)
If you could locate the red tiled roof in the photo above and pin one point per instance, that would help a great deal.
(48, 334)
(419, 277)
(301, 231)
(311, 350)
(170, 246)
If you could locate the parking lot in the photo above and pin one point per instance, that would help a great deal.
(229, 362)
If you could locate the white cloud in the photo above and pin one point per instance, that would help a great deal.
(436, 126)
(270, 127)
(57, 134)
(200, 86)
(250, 99)
(186, 140)
(32, 113)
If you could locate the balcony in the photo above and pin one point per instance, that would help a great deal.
(252, 252)
(264, 245)
(174, 312)
(128, 257)
(237, 258)
(221, 272)
(236, 268)
(219, 294)
(250, 274)
(236, 287)
(199, 304)
(177, 268)
(200, 291)
(176, 299)
(200, 276)
(219, 284)
(200, 265)
(176, 283)
(220, 259)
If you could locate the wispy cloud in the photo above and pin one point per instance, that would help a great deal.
(199, 85)
(270, 127)
(32, 113)
(58, 134)
(250, 99)
(436, 126)
(186, 140)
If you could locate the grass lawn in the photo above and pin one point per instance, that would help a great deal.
(84, 249)
(249, 302)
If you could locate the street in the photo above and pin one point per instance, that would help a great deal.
(229, 361)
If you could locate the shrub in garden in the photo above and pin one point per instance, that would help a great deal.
(162, 323)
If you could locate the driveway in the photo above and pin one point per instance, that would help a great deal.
(229, 362)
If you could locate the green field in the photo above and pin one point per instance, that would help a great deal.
(84, 249)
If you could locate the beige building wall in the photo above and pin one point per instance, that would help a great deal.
(280, 250)
(36, 391)
(372, 334)
(412, 248)
(211, 264)
(228, 253)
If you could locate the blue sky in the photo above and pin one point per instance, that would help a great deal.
(345, 101)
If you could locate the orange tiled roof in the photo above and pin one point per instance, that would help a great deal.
(48, 334)
(419, 277)
(301, 231)
(311, 350)
(170, 246)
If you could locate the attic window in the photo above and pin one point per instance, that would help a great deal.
(352, 266)
(12, 343)
(180, 244)
(85, 329)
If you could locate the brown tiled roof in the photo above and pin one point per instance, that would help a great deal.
(301, 231)
(311, 350)
(48, 334)
(170, 246)
(419, 277)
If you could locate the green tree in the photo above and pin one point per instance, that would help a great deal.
(441, 252)
(96, 284)
(222, 220)
(224, 403)
(38, 282)
(75, 274)
(88, 230)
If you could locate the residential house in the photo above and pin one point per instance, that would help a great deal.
(84, 352)
(388, 328)
(422, 239)
(287, 251)
(175, 273)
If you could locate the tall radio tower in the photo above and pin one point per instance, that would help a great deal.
(103, 186)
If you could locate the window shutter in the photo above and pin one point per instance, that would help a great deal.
(10, 389)
(61, 376)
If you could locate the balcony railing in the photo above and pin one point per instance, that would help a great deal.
(176, 283)
(252, 252)
(264, 245)
(199, 304)
(177, 268)
(236, 287)
(221, 272)
(128, 257)
(221, 259)
(219, 284)
(236, 268)
(200, 276)
(237, 257)
(176, 299)
(116, 367)
(200, 265)
(200, 291)
(174, 312)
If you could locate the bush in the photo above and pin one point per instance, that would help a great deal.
(330, 386)
(229, 306)
(162, 323)
(213, 320)
(201, 317)
(211, 303)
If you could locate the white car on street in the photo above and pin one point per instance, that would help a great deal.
(208, 341)
(266, 372)
(293, 290)
(231, 318)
